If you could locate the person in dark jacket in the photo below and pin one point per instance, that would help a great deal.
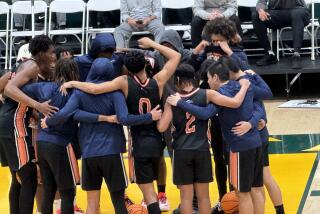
(102, 144)
(277, 14)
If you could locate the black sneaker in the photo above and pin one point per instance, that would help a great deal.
(217, 209)
(60, 39)
(268, 59)
(296, 62)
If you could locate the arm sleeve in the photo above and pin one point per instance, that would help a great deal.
(202, 113)
(257, 114)
(198, 10)
(65, 113)
(124, 10)
(231, 8)
(261, 89)
(122, 112)
(156, 8)
(86, 117)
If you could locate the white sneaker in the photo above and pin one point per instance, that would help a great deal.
(186, 35)
(144, 204)
(163, 202)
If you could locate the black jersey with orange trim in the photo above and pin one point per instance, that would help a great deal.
(142, 98)
(190, 133)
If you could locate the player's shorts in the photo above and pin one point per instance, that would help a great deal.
(18, 151)
(265, 154)
(3, 156)
(110, 168)
(146, 169)
(246, 169)
(191, 167)
(58, 164)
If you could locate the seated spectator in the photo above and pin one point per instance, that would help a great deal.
(60, 19)
(206, 10)
(278, 14)
(139, 15)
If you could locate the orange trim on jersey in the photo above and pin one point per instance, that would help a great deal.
(19, 118)
(191, 93)
(145, 101)
(234, 169)
(140, 83)
(73, 164)
(22, 151)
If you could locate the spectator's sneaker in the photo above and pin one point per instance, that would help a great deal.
(296, 61)
(20, 41)
(217, 209)
(163, 202)
(186, 35)
(268, 59)
(144, 204)
(60, 39)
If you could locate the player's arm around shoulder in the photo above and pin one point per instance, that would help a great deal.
(165, 121)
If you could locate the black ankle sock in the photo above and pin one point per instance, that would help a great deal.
(279, 209)
(154, 208)
(161, 188)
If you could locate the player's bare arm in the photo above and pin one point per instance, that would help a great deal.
(119, 83)
(27, 72)
(235, 102)
(170, 67)
(165, 121)
(3, 81)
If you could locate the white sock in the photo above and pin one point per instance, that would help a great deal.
(57, 204)
(270, 52)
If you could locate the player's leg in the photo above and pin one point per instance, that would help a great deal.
(146, 170)
(257, 191)
(186, 198)
(28, 177)
(67, 198)
(270, 183)
(118, 201)
(93, 202)
(14, 194)
(161, 183)
(202, 191)
(245, 203)
(91, 182)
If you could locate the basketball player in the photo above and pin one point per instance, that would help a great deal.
(102, 143)
(245, 151)
(15, 132)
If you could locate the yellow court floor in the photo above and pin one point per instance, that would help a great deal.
(290, 170)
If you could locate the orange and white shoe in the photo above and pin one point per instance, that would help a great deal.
(77, 210)
(163, 202)
(144, 204)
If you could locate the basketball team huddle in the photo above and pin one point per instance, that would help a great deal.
(58, 108)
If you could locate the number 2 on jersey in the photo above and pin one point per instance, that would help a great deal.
(189, 127)
(144, 103)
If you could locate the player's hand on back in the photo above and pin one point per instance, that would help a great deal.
(250, 72)
(261, 124)
(145, 43)
(244, 83)
(173, 99)
(46, 109)
(43, 123)
(156, 113)
(64, 88)
(241, 128)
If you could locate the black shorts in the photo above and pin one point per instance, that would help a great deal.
(265, 154)
(191, 167)
(3, 156)
(18, 151)
(58, 164)
(146, 170)
(246, 169)
(110, 168)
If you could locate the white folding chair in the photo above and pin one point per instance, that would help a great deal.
(100, 6)
(68, 6)
(24, 7)
(4, 10)
(177, 4)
